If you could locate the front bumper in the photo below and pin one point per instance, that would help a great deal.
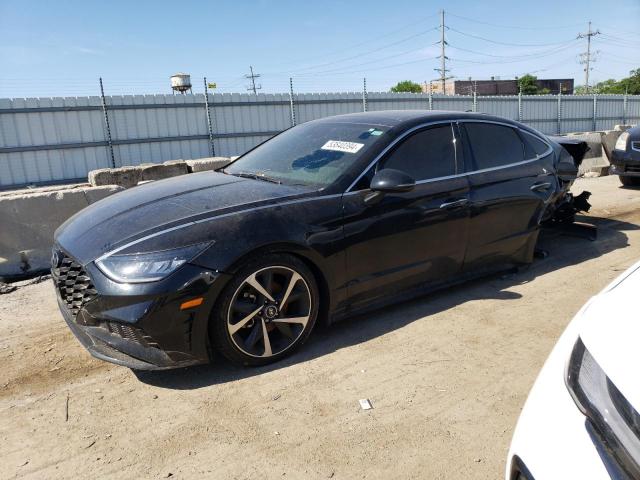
(141, 326)
(626, 170)
(120, 351)
(625, 164)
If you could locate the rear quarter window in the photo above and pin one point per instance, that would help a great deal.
(534, 146)
(493, 145)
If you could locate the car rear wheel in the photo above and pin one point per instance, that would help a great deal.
(630, 181)
(267, 310)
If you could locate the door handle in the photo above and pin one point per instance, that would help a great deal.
(540, 187)
(455, 203)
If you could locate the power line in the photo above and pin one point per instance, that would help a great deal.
(478, 37)
(375, 60)
(538, 54)
(352, 57)
(366, 42)
(512, 26)
(587, 57)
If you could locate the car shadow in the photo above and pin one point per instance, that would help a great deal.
(563, 250)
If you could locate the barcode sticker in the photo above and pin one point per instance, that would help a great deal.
(339, 146)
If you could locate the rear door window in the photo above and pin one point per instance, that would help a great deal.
(425, 155)
(493, 145)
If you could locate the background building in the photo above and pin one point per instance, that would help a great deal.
(436, 88)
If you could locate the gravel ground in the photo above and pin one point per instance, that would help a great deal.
(447, 375)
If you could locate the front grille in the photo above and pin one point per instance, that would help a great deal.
(73, 283)
(633, 168)
(130, 332)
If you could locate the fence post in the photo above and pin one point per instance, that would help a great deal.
(595, 111)
(475, 101)
(624, 109)
(212, 150)
(430, 95)
(364, 95)
(560, 111)
(106, 122)
(520, 105)
(291, 105)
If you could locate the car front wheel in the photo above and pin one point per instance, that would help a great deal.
(267, 310)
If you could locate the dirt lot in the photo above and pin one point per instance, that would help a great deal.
(447, 375)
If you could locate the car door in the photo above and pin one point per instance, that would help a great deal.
(510, 185)
(412, 237)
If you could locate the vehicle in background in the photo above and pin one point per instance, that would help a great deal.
(327, 219)
(581, 417)
(625, 161)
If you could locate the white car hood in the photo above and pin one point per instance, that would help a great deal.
(610, 330)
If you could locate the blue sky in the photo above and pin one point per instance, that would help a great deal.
(62, 47)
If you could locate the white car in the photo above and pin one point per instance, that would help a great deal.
(581, 418)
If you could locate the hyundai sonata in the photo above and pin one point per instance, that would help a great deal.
(329, 218)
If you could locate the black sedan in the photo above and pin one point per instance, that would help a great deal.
(329, 218)
(625, 160)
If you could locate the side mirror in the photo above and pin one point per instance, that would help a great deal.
(389, 180)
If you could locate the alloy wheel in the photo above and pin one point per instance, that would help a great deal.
(269, 311)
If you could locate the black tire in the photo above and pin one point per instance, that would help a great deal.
(630, 181)
(243, 347)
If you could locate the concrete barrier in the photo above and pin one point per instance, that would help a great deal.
(124, 176)
(153, 171)
(609, 139)
(594, 161)
(128, 177)
(28, 219)
(204, 164)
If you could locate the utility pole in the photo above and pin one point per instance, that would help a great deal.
(253, 77)
(443, 57)
(587, 57)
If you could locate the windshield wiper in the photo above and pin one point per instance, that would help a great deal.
(256, 176)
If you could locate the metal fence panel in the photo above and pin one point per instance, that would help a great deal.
(506, 107)
(56, 139)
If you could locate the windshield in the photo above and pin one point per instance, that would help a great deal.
(310, 154)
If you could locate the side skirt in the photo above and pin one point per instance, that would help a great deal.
(419, 291)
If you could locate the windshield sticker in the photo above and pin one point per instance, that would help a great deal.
(346, 147)
(375, 132)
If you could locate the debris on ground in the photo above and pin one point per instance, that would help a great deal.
(365, 404)
(12, 287)
(6, 288)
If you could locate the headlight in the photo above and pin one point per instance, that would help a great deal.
(621, 143)
(613, 417)
(147, 267)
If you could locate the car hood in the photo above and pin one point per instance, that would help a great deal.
(610, 330)
(151, 208)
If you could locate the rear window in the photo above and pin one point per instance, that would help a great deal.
(493, 145)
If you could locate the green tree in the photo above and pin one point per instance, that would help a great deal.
(407, 86)
(528, 84)
(630, 85)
